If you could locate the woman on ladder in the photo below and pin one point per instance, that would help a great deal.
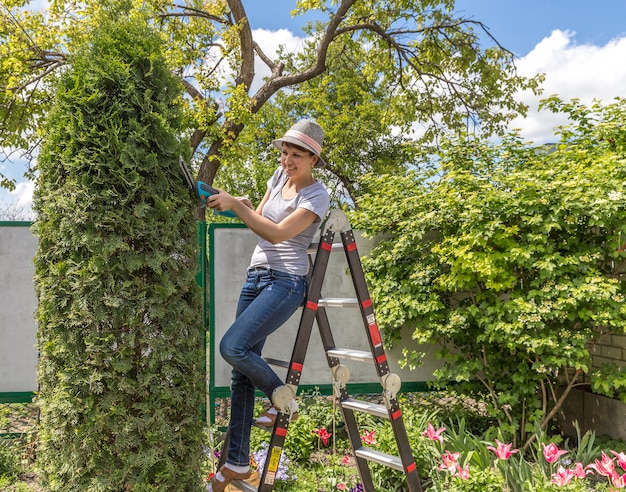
(276, 284)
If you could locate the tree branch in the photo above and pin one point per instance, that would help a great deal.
(278, 81)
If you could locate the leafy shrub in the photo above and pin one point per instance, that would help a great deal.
(119, 311)
(9, 460)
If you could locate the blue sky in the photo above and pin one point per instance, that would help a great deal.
(579, 45)
(519, 25)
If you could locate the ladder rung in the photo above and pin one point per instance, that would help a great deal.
(366, 407)
(350, 354)
(244, 486)
(338, 302)
(314, 246)
(379, 457)
(276, 362)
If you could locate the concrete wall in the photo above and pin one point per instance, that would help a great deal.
(605, 416)
(18, 353)
(609, 349)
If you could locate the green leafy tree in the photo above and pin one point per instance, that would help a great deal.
(119, 312)
(364, 69)
(511, 258)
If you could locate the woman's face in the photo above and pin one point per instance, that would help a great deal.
(297, 161)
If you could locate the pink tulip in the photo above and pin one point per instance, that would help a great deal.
(368, 437)
(323, 434)
(463, 473)
(449, 461)
(432, 434)
(604, 467)
(562, 476)
(621, 459)
(618, 480)
(503, 451)
(551, 453)
(582, 471)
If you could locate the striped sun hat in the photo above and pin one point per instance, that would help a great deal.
(306, 134)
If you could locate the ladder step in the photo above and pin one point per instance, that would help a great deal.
(380, 458)
(359, 355)
(366, 407)
(314, 246)
(276, 362)
(338, 302)
(244, 486)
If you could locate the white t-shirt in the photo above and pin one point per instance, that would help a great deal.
(291, 255)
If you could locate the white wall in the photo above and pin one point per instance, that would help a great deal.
(229, 258)
(18, 353)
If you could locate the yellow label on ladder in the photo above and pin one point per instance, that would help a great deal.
(273, 464)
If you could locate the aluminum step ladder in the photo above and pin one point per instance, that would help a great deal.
(315, 310)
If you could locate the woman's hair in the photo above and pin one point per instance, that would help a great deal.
(299, 147)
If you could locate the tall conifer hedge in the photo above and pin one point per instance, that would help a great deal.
(119, 314)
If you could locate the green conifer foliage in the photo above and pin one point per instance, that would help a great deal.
(119, 314)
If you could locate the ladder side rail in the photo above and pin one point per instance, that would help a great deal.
(404, 449)
(328, 341)
(365, 303)
(402, 441)
(380, 357)
(294, 372)
(340, 393)
(354, 436)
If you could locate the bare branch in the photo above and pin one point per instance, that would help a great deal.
(193, 12)
(191, 90)
(278, 81)
(275, 69)
(246, 71)
(557, 406)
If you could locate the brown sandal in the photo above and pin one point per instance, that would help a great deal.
(229, 475)
(271, 418)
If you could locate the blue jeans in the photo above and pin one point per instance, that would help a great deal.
(267, 300)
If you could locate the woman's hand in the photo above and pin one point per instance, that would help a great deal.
(222, 201)
(246, 201)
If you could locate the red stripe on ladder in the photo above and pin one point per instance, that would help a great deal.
(375, 335)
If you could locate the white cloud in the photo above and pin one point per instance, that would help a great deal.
(22, 195)
(270, 42)
(586, 72)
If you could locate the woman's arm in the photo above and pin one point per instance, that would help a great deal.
(290, 226)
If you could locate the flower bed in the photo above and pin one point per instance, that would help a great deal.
(456, 450)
